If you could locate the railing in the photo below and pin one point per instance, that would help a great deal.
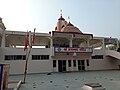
(112, 53)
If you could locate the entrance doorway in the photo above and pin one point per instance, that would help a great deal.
(81, 65)
(61, 65)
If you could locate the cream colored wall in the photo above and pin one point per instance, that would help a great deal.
(34, 66)
(43, 66)
(103, 64)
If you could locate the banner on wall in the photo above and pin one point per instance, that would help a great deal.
(72, 50)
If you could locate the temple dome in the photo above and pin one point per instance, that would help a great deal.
(70, 28)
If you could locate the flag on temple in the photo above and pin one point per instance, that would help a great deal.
(33, 38)
(26, 41)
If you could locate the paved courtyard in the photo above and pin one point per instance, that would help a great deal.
(69, 81)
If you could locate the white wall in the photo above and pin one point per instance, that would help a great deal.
(42, 66)
(103, 64)
(34, 66)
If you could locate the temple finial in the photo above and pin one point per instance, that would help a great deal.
(61, 12)
(69, 18)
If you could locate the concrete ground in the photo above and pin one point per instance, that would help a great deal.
(69, 81)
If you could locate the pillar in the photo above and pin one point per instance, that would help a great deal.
(103, 44)
(72, 68)
(51, 46)
(76, 65)
(117, 43)
(3, 39)
(57, 66)
(67, 69)
(71, 43)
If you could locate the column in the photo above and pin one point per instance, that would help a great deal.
(56, 65)
(72, 68)
(117, 44)
(76, 65)
(70, 44)
(103, 44)
(67, 69)
(51, 42)
(3, 39)
(51, 46)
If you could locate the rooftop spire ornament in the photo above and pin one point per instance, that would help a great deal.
(69, 18)
(61, 12)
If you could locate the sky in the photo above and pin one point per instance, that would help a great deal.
(98, 17)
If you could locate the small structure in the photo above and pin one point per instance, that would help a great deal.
(93, 86)
(4, 72)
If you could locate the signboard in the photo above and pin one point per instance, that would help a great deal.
(78, 50)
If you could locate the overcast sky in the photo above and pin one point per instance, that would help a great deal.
(97, 17)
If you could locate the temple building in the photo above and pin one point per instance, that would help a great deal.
(64, 49)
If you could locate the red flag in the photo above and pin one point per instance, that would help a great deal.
(26, 41)
(33, 38)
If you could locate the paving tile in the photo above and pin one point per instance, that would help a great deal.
(70, 81)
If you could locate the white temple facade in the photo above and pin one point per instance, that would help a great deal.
(64, 49)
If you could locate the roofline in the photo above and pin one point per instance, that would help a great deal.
(71, 33)
(24, 33)
(103, 37)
